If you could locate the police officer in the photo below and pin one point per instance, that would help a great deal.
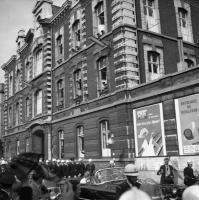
(131, 173)
(189, 178)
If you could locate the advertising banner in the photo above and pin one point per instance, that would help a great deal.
(149, 131)
(187, 116)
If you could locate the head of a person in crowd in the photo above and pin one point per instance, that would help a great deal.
(90, 160)
(166, 161)
(54, 160)
(134, 193)
(112, 163)
(7, 179)
(189, 163)
(191, 193)
(131, 173)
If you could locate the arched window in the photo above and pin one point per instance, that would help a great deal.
(38, 102)
(105, 136)
(17, 80)
(182, 17)
(80, 141)
(60, 93)
(102, 65)
(77, 83)
(10, 117)
(17, 114)
(27, 71)
(27, 107)
(38, 62)
(10, 85)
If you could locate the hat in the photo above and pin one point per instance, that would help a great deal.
(54, 160)
(189, 162)
(7, 178)
(166, 158)
(130, 170)
(4, 162)
(89, 160)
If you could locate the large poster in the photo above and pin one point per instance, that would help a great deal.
(187, 116)
(149, 131)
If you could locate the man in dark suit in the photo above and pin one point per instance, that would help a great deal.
(131, 173)
(166, 172)
(189, 178)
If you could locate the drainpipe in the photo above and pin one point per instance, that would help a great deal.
(181, 65)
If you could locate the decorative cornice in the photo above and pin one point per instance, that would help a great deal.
(9, 61)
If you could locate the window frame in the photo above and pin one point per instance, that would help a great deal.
(105, 135)
(80, 141)
(17, 80)
(36, 96)
(152, 64)
(60, 92)
(27, 104)
(17, 113)
(61, 143)
(78, 84)
(102, 64)
(38, 62)
(17, 147)
(27, 144)
(183, 21)
(100, 13)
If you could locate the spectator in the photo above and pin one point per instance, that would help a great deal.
(131, 173)
(136, 194)
(90, 167)
(191, 193)
(189, 178)
(166, 172)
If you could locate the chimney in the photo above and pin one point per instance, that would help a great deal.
(20, 39)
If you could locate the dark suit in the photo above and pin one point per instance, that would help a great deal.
(189, 178)
(166, 178)
(123, 187)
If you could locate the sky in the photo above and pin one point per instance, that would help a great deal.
(14, 15)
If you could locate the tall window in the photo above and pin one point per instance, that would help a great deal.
(153, 62)
(61, 144)
(27, 145)
(76, 34)
(99, 10)
(17, 114)
(80, 141)
(10, 85)
(18, 147)
(38, 64)
(103, 73)
(10, 117)
(60, 93)
(185, 27)
(104, 132)
(59, 45)
(38, 102)
(77, 83)
(27, 107)
(151, 15)
(27, 71)
(17, 80)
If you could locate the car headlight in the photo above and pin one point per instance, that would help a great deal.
(174, 190)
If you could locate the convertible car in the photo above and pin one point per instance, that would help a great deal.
(103, 186)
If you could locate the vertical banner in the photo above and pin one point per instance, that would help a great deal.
(149, 131)
(187, 116)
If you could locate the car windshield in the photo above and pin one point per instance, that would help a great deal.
(109, 174)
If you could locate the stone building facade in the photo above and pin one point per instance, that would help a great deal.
(115, 76)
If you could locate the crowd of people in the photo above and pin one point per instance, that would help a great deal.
(23, 178)
(70, 168)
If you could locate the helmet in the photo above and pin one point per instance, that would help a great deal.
(134, 193)
(130, 170)
(189, 162)
(191, 193)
